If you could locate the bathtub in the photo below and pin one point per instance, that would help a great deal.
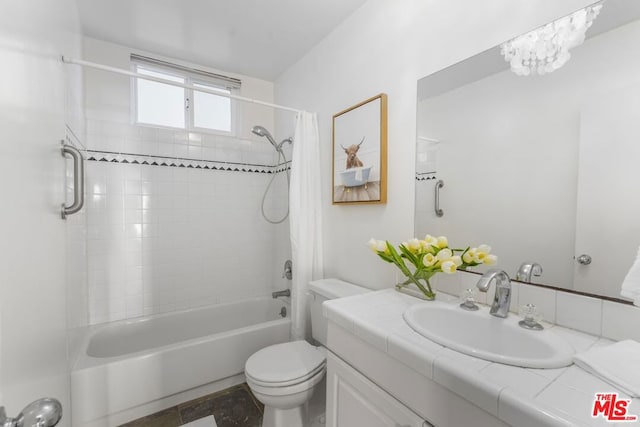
(128, 369)
(355, 176)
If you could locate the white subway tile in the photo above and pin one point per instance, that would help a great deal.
(620, 321)
(579, 312)
(132, 187)
(449, 284)
(161, 238)
(544, 299)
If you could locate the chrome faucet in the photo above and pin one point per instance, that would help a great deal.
(502, 298)
(284, 293)
(527, 269)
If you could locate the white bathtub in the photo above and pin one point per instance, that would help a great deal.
(124, 367)
(355, 176)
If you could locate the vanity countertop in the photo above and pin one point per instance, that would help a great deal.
(555, 397)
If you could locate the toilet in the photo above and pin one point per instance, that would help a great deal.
(284, 376)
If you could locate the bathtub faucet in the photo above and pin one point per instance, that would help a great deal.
(285, 293)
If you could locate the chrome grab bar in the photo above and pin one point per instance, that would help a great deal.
(78, 180)
(439, 185)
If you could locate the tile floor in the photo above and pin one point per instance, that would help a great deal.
(232, 407)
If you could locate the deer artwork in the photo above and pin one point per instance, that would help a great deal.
(352, 158)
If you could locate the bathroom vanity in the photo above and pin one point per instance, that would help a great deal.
(380, 372)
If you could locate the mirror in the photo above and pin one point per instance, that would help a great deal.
(544, 168)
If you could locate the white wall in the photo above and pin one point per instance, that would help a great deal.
(386, 47)
(33, 99)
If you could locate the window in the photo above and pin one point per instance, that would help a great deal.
(211, 111)
(161, 104)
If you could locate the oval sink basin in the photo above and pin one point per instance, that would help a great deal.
(481, 335)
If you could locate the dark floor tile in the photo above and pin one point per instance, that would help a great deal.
(259, 404)
(202, 406)
(233, 407)
(196, 409)
(167, 418)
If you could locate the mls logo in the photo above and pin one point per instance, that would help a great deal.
(611, 408)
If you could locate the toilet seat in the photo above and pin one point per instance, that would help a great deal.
(286, 364)
(288, 390)
(294, 381)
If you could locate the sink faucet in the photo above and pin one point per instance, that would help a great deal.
(284, 293)
(502, 298)
(527, 269)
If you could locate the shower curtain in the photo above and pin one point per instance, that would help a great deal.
(305, 219)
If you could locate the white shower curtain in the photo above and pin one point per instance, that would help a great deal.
(305, 219)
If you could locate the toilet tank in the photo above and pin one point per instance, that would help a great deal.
(321, 291)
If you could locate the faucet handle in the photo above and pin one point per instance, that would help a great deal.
(469, 302)
(288, 270)
(532, 317)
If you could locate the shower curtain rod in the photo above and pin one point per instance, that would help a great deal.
(97, 66)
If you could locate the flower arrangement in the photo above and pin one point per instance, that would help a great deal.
(430, 256)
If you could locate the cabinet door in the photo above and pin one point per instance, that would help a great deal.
(353, 400)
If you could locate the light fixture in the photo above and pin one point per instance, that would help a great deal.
(546, 49)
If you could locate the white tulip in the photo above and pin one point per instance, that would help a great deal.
(377, 245)
(442, 242)
(469, 256)
(484, 248)
(448, 267)
(429, 260)
(431, 241)
(413, 245)
(444, 254)
(490, 260)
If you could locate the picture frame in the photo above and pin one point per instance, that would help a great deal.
(359, 171)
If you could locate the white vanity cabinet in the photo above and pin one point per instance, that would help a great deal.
(353, 400)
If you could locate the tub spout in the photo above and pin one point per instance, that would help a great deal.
(285, 293)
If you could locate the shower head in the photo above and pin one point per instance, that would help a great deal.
(261, 131)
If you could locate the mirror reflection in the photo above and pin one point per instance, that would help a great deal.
(542, 165)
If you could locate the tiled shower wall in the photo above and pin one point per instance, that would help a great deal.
(172, 218)
(164, 238)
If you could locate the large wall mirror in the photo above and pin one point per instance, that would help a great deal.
(545, 168)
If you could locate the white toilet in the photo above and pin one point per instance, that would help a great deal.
(283, 376)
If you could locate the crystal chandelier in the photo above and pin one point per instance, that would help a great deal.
(546, 49)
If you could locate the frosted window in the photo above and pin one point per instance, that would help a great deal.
(159, 103)
(211, 111)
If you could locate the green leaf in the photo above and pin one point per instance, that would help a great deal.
(385, 257)
(410, 256)
(397, 259)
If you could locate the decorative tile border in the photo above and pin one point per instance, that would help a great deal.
(427, 176)
(180, 162)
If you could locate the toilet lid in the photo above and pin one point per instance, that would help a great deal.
(284, 363)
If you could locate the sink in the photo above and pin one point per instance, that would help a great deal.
(487, 337)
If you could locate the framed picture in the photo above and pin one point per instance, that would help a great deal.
(360, 153)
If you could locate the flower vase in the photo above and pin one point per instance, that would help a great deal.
(417, 287)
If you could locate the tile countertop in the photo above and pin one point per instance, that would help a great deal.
(559, 397)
